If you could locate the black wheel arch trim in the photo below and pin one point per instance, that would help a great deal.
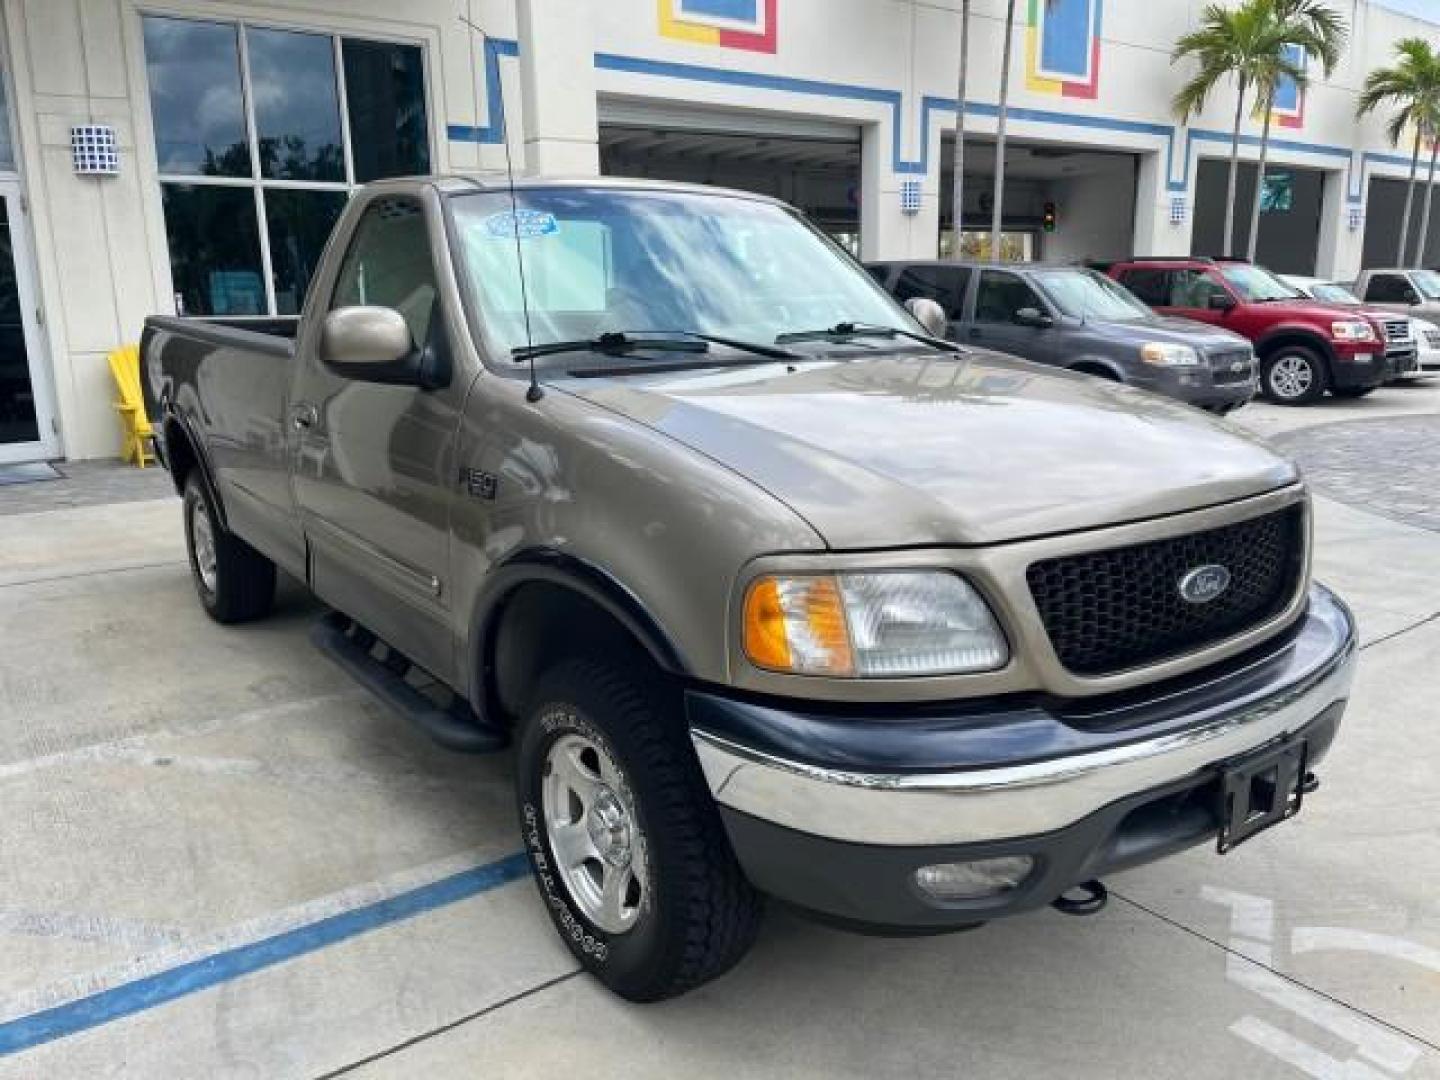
(1299, 335)
(174, 417)
(597, 585)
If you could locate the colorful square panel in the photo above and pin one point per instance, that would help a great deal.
(730, 24)
(1062, 47)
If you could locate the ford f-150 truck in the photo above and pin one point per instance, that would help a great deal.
(1305, 347)
(772, 591)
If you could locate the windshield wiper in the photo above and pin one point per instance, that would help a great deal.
(845, 331)
(621, 342)
(611, 343)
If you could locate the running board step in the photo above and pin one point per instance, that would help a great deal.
(353, 648)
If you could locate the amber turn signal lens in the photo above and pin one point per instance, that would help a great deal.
(797, 623)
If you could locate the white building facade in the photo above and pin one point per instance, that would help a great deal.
(240, 127)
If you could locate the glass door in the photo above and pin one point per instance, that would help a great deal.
(26, 431)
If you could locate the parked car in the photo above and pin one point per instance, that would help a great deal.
(1075, 318)
(773, 591)
(1410, 292)
(1403, 365)
(1305, 347)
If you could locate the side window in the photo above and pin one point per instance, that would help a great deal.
(1192, 289)
(945, 285)
(1387, 288)
(389, 265)
(1151, 286)
(880, 272)
(1001, 295)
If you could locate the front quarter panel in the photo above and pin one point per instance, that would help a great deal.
(669, 526)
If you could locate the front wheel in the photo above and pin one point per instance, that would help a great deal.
(624, 840)
(1293, 375)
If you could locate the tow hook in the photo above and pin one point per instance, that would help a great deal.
(1095, 897)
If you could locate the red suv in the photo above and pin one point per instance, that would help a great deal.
(1305, 347)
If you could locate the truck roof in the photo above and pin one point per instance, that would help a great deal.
(455, 184)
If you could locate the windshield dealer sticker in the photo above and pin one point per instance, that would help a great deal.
(523, 223)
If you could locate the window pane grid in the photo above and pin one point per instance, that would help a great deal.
(302, 222)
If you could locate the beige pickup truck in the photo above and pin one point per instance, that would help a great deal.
(772, 592)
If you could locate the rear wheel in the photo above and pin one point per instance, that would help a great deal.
(624, 839)
(234, 581)
(1293, 375)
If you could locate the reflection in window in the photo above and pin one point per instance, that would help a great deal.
(269, 115)
(214, 249)
(385, 99)
(297, 108)
(298, 224)
(195, 97)
(389, 264)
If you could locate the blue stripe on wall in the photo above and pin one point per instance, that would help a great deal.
(894, 101)
(27, 1032)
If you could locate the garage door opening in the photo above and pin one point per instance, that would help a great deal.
(814, 166)
(1384, 208)
(1290, 209)
(1090, 195)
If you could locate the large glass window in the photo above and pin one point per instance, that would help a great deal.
(260, 135)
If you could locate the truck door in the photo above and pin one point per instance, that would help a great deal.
(373, 464)
(1193, 293)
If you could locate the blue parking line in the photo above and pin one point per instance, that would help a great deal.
(27, 1032)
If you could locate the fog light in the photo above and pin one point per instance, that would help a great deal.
(973, 880)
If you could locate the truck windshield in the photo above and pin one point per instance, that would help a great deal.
(1428, 282)
(1255, 285)
(1084, 294)
(603, 260)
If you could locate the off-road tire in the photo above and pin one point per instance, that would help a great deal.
(242, 585)
(1284, 361)
(698, 915)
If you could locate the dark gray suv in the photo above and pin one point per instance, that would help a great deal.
(1074, 318)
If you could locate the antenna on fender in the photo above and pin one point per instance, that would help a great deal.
(534, 393)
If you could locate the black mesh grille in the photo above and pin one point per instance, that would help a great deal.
(1110, 610)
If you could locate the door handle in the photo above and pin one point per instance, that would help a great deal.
(304, 416)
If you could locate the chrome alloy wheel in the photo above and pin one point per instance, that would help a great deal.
(1291, 376)
(593, 831)
(202, 535)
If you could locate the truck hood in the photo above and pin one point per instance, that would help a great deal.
(976, 449)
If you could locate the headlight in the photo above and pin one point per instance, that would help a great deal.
(1352, 330)
(871, 625)
(1165, 354)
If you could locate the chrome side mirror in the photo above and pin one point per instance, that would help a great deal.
(371, 344)
(929, 315)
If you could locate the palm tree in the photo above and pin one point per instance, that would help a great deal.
(1251, 43)
(1412, 84)
(1226, 43)
(1312, 29)
(957, 194)
(1000, 132)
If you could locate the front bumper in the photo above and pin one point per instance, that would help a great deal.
(834, 812)
(1356, 368)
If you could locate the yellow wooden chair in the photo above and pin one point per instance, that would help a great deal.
(125, 366)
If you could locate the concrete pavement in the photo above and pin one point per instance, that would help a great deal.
(221, 859)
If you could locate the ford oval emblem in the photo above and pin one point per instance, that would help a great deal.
(1204, 583)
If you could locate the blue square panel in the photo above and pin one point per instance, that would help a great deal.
(740, 11)
(1065, 40)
